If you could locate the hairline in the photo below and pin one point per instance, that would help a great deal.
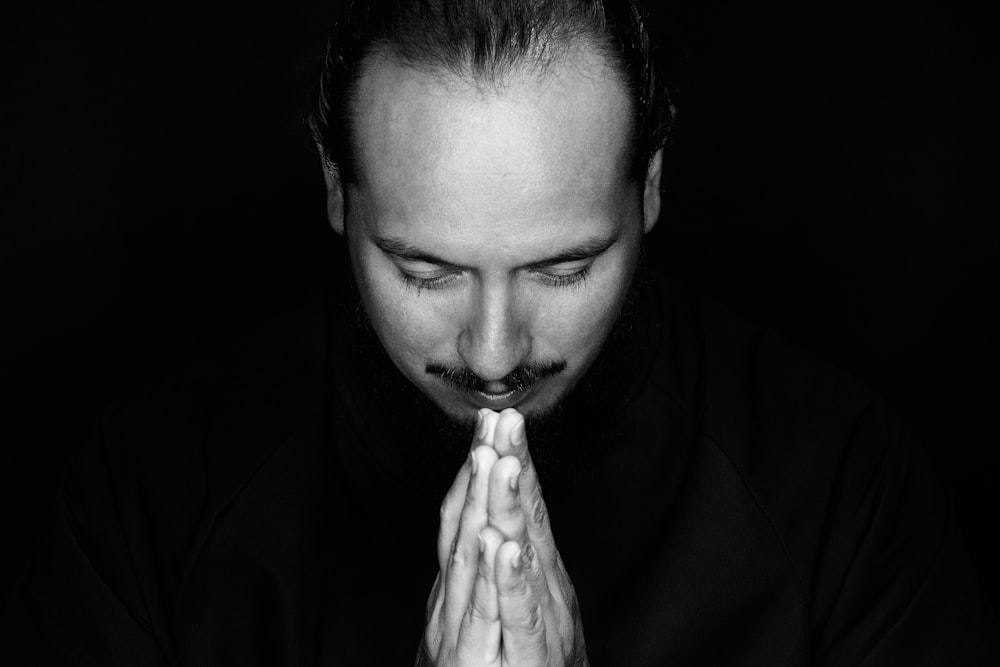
(580, 52)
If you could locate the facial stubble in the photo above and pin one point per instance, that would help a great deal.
(560, 436)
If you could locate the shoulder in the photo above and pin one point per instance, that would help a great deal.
(253, 386)
(799, 432)
(137, 501)
(739, 377)
(852, 500)
(180, 447)
(763, 401)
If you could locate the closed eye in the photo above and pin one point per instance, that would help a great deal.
(423, 275)
(564, 275)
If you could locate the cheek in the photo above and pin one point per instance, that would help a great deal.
(577, 323)
(407, 327)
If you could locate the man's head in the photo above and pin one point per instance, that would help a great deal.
(493, 167)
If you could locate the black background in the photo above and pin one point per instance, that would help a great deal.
(830, 177)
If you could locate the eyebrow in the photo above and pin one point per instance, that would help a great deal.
(586, 249)
(403, 250)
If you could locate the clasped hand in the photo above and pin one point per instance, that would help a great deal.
(502, 596)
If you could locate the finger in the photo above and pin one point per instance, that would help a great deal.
(511, 440)
(454, 500)
(451, 512)
(504, 506)
(464, 558)
(433, 630)
(507, 421)
(521, 600)
(481, 430)
(489, 425)
(479, 638)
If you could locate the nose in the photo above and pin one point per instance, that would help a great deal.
(495, 339)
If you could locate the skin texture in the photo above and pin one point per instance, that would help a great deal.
(503, 596)
(491, 183)
(466, 204)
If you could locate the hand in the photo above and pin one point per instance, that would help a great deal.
(502, 596)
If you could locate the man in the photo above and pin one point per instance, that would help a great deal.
(710, 496)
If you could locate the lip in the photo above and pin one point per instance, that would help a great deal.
(498, 402)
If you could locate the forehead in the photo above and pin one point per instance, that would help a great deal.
(542, 146)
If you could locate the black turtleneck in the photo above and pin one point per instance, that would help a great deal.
(717, 498)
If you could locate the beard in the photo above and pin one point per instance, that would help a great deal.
(561, 437)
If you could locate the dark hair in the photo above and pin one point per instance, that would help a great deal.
(481, 40)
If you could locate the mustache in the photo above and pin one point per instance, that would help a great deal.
(518, 379)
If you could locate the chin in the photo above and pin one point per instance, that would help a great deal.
(541, 406)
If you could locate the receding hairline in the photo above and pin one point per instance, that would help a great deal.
(497, 44)
(579, 59)
(579, 53)
(484, 43)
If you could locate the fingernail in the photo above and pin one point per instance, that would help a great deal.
(474, 462)
(514, 480)
(480, 425)
(515, 560)
(517, 435)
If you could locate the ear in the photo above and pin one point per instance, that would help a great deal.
(651, 194)
(334, 195)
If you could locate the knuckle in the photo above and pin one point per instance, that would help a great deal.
(533, 566)
(532, 622)
(484, 569)
(433, 638)
(527, 465)
(467, 651)
(537, 509)
(477, 611)
(528, 554)
(567, 596)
